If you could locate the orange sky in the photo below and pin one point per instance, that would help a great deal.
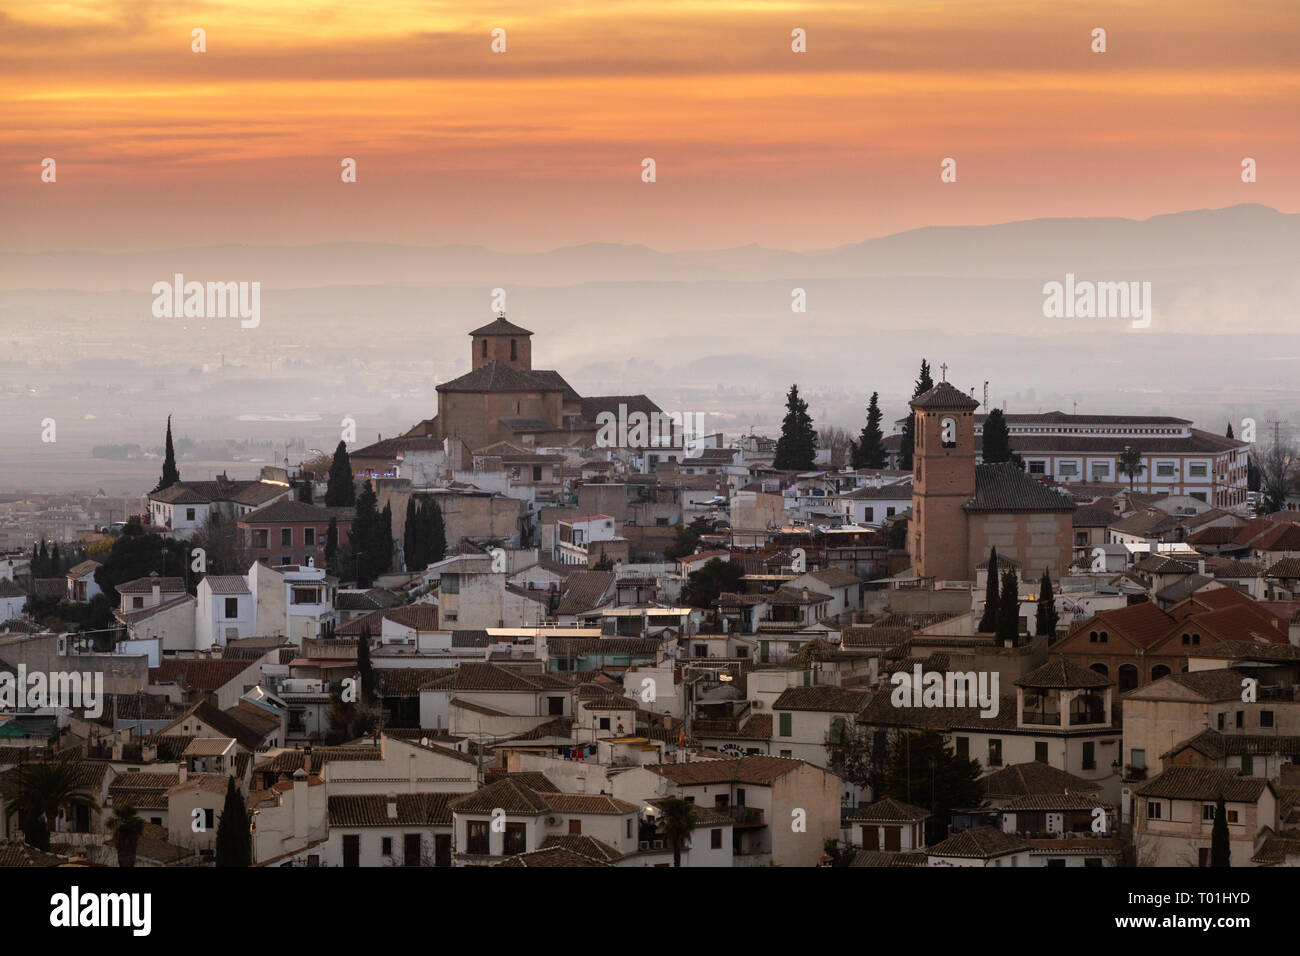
(158, 146)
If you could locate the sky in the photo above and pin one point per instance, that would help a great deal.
(157, 146)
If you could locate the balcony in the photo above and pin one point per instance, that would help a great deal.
(1042, 720)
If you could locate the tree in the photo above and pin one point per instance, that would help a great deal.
(384, 559)
(1130, 464)
(1229, 434)
(869, 450)
(837, 441)
(137, 556)
(925, 773)
(703, 586)
(1220, 853)
(684, 543)
(861, 756)
(332, 546)
(679, 821)
(47, 789)
(170, 474)
(126, 825)
(796, 449)
(1276, 474)
(1046, 616)
(367, 533)
(989, 619)
(35, 832)
(1008, 625)
(364, 666)
(997, 438)
(411, 544)
(923, 384)
(341, 492)
(437, 532)
(234, 846)
(305, 492)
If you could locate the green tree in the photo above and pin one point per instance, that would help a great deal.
(989, 619)
(35, 832)
(997, 439)
(1220, 853)
(305, 493)
(234, 844)
(1229, 434)
(364, 667)
(923, 384)
(925, 773)
(685, 542)
(796, 449)
(1130, 464)
(411, 544)
(170, 474)
(366, 535)
(678, 821)
(384, 559)
(139, 555)
(332, 546)
(1008, 625)
(869, 450)
(437, 533)
(48, 789)
(126, 825)
(1045, 615)
(703, 586)
(341, 491)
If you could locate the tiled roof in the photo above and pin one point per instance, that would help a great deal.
(593, 406)
(759, 770)
(573, 646)
(496, 376)
(500, 326)
(371, 810)
(144, 790)
(1087, 517)
(554, 856)
(979, 843)
(888, 810)
(1286, 568)
(1023, 779)
(84, 568)
(1275, 850)
(1203, 783)
(582, 845)
(483, 676)
(510, 795)
(145, 585)
(588, 803)
(944, 395)
(1069, 801)
(824, 698)
(290, 761)
(584, 591)
(1143, 624)
(199, 675)
(1004, 487)
(135, 617)
(879, 858)
(1061, 672)
(1211, 685)
(16, 854)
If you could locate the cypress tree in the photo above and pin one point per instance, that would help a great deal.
(868, 450)
(364, 666)
(1220, 853)
(366, 532)
(233, 845)
(170, 474)
(989, 619)
(1008, 626)
(997, 439)
(332, 546)
(56, 563)
(796, 449)
(923, 384)
(341, 492)
(436, 548)
(1046, 616)
(45, 560)
(411, 535)
(384, 558)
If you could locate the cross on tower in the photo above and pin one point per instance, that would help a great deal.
(944, 368)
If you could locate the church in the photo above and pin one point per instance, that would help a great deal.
(960, 509)
(504, 399)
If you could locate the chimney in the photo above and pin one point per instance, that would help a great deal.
(306, 758)
(392, 806)
(156, 586)
(1200, 567)
(183, 771)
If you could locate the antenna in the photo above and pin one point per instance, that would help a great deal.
(986, 395)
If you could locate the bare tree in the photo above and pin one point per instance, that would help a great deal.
(1277, 473)
(837, 440)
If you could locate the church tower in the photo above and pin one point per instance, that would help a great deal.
(503, 342)
(943, 480)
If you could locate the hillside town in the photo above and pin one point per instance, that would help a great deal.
(542, 629)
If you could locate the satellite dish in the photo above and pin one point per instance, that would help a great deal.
(424, 741)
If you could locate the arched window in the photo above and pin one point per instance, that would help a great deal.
(1101, 669)
(1159, 671)
(1128, 677)
(514, 350)
(1087, 709)
(483, 351)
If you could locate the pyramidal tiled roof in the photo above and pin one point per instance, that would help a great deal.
(1061, 672)
(944, 395)
(500, 326)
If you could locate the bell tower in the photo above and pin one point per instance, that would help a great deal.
(943, 480)
(504, 342)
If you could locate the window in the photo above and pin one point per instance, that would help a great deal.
(575, 828)
(351, 849)
(516, 839)
(514, 350)
(537, 472)
(1037, 467)
(963, 747)
(1068, 469)
(386, 846)
(786, 729)
(286, 537)
(1138, 759)
(1198, 469)
(411, 849)
(715, 839)
(1089, 755)
(309, 537)
(137, 602)
(478, 838)
(1266, 718)
(1241, 719)
(604, 723)
(869, 514)
(449, 584)
(189, 514)
(1222, 718)
(1040, 751)
(260, 538)
(1165, 469)
(889, 512)
(1153, 810)
(1207, 812)
(483, 350)
(995, 753)
(232, 608)
(1100, 470)
(1232, 816)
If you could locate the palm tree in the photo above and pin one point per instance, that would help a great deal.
(1130, 463)
(679, 821)
(48, 788)
(126, 826)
